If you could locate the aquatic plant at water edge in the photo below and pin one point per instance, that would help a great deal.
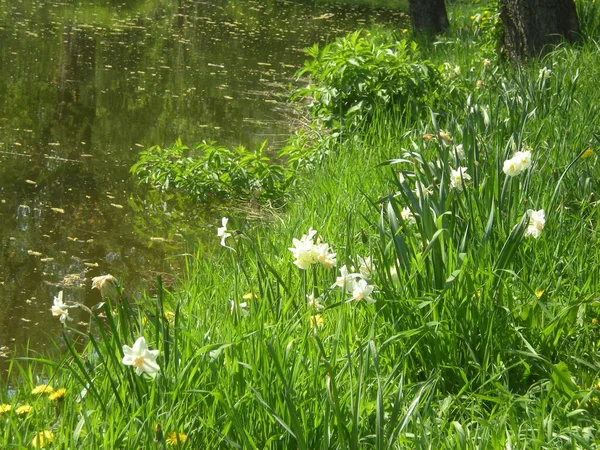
(212, 172)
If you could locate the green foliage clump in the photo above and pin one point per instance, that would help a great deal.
(212, 172)
(361, 71)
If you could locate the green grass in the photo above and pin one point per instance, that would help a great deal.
(480, 337)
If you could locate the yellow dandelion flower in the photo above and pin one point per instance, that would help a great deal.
(4, 408)
(249, 296)
(59, 394)
(539, 293)
(316, 321)
(42, 439)
(587, 154)
(42, 389)
(24, 410)
(174, 438)
(594, 321)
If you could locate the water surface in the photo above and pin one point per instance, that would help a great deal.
(88, 84)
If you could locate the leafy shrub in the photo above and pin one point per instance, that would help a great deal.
(352, 75)
(214, 172)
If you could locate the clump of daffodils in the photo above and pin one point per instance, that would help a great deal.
(355, 285)
(537, 220)
(519, 163)
(308, 252)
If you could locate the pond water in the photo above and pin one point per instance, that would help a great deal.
(86, 85)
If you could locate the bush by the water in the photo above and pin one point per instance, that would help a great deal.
(213, 172)
(355, 74)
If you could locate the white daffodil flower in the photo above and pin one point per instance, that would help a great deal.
(306, 252)
(458, 177)
(408, 216)
(520, 162)
(303, 250)
(241, 307)
(107, 285)
(140, 357)
(365, 266)
(222, 231)
(60, 309)
(313, 303)
(361, 290)
(537, 220)
(524, 159)
(324, 256)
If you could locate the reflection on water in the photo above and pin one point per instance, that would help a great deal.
(85, 86)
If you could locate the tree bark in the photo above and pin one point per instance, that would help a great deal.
(428, 16)
(531, 25)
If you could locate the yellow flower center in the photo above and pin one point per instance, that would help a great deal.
(138, 361)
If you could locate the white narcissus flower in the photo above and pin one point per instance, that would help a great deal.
(458, 178)
(345, 279)
(107, 285)
(303, 250)
(365, 266)
(537, 220)
(520, 162)
(140, 357)
(324, 256)
(361, 290)
(460, 152)
(313, 303)
(222, 231)
(544, 73)
(60, 309)
(241, 307)
(307, 252)
(420, 189)
(512, 167)
(408, 216)
(341, 280)
(524, 159)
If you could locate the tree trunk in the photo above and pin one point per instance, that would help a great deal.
(530, 25)
(428, 16)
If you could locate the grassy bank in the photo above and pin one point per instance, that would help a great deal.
(464, 320)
